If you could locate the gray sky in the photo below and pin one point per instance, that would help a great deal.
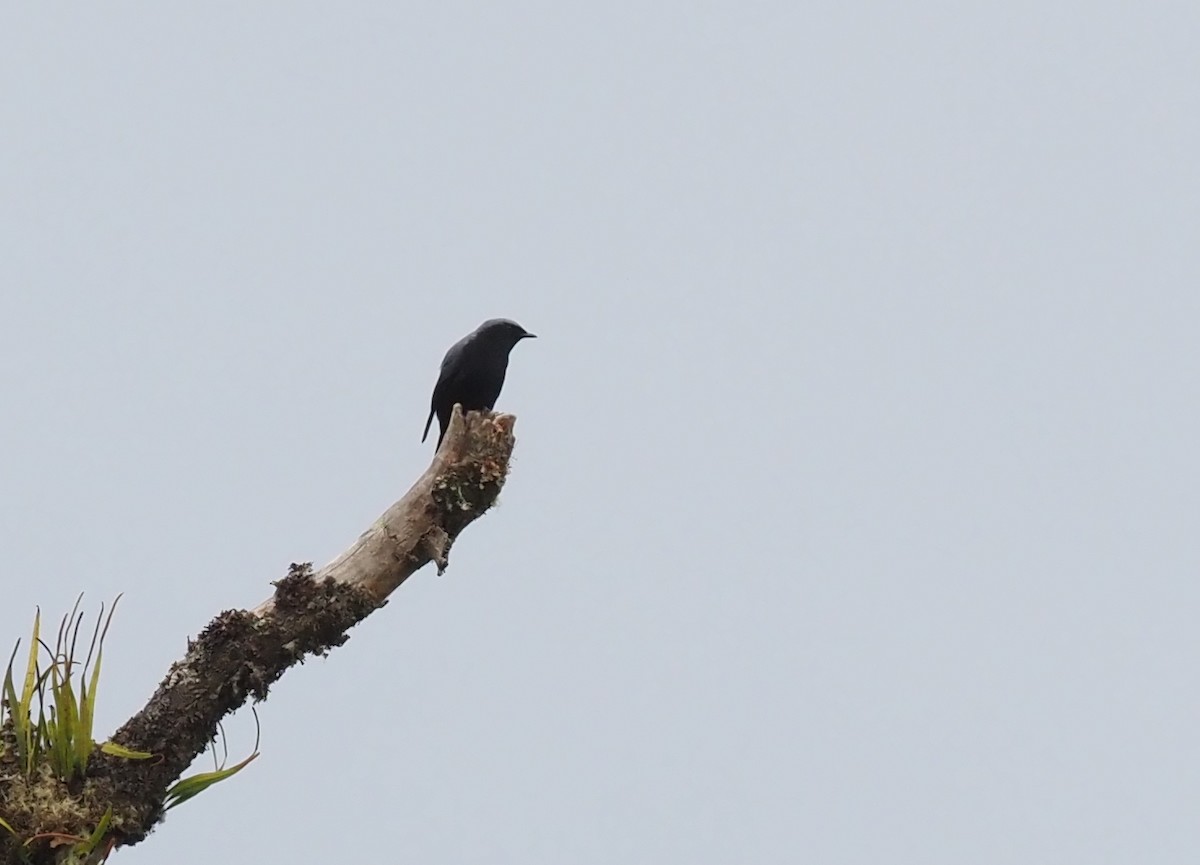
(853, 514)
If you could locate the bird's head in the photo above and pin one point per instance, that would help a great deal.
(503, 331)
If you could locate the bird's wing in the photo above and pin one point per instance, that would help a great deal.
(454, 354)
(450, 371)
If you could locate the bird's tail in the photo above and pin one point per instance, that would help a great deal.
(428, 421)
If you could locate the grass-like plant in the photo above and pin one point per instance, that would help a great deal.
(49, 723)
(60, 732)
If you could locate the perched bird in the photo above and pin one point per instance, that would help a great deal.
(473, 371)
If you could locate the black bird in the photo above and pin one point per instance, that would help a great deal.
(473, 371)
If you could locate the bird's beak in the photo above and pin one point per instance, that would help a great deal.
(529, 336)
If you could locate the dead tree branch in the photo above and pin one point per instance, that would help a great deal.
(241, 653)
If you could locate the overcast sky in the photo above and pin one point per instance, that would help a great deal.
(853, 515)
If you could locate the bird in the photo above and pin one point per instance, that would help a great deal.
(473, 370)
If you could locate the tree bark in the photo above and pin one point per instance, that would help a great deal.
(241, 653)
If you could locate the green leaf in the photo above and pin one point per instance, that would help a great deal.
(83, 848)
(10, 696)
(27, 692)
(41, 731)
(183, 790)
(121, 751)
(11, 830)
(65, 729)
(31, 676)
(87, 708)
